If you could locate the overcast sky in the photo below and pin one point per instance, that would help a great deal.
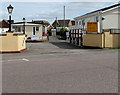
(50, 10)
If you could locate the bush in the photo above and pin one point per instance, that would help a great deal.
(63, 33)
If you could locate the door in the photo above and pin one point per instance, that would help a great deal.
(33, 30)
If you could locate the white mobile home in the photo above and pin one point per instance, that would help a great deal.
(31, 29)
(107, 18)
(100, 28)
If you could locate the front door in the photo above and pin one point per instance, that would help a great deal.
(33, 30)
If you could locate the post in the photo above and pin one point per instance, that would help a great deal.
(78, 37)
(81, 38)
(10, 23)
(64, 16)
(70, 35)
(23, 27)
(100, 22)
(56, 24)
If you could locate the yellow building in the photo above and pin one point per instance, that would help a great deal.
(12, 43)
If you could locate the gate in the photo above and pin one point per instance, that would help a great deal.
(76, 37)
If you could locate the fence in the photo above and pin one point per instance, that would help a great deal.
(107, 39)
(76, 36)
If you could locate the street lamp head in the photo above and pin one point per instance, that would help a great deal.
(24, 19)
(10, 9)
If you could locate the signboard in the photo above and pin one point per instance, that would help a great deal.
(36, 38)
(92, 26)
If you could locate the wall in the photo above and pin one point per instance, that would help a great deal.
(93, 40)
(116, 40)
(107, 39)
(29, 31)
(12, 42)
(110, 19)
(21, 42)
(104, 40)
(3, 30)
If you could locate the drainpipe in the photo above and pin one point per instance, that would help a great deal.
(100, 22)
(100, 28)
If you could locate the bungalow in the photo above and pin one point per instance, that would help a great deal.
(106, 18)
(99, 28)
(58, 24)
(49, 29)
(33, 30)
(4, 26)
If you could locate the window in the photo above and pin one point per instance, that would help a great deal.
(97, 19)
(83, 22)
(37, 28)
(33, 30)
(79, 22)
(76, 23)
(19, 29)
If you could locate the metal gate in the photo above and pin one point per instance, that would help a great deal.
(76, 37)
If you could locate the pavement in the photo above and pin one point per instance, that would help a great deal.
(59, 67)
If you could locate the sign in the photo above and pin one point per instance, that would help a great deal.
(36, 38)
(92, 26)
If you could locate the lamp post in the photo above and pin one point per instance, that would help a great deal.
(10, 9)
(24, 25)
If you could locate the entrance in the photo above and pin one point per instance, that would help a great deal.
(33, 30)
(76, 36)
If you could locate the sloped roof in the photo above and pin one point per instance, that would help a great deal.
(4, 24)
(37, 22)
(73, 22)
(61, 23)
(44, 22)
(103, 9)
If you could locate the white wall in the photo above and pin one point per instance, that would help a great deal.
(29, 30)
(111, 19)
(3, 30)
(87, 19)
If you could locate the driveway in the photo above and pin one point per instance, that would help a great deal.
(59, 67)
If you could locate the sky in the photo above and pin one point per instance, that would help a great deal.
(49, 10)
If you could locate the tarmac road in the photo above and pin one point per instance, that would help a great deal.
(58, 67)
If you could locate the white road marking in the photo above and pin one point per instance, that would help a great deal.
(23, 59)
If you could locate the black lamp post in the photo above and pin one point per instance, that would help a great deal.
(10, 9)
(24, 25)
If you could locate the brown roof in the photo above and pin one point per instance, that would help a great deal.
(60, 23)
(73, 22)
(44, 22)
(4, 24)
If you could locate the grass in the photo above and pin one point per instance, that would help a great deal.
(116, 48)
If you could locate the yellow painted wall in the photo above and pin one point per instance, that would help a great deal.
(21, 42)
(105, 40)
(94, 40)
(12, 42)
(116, 40)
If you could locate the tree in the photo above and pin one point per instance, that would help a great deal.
(63, 33)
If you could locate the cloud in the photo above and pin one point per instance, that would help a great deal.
(59, 0)
(50, 10)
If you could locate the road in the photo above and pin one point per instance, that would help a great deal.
(58, 67)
